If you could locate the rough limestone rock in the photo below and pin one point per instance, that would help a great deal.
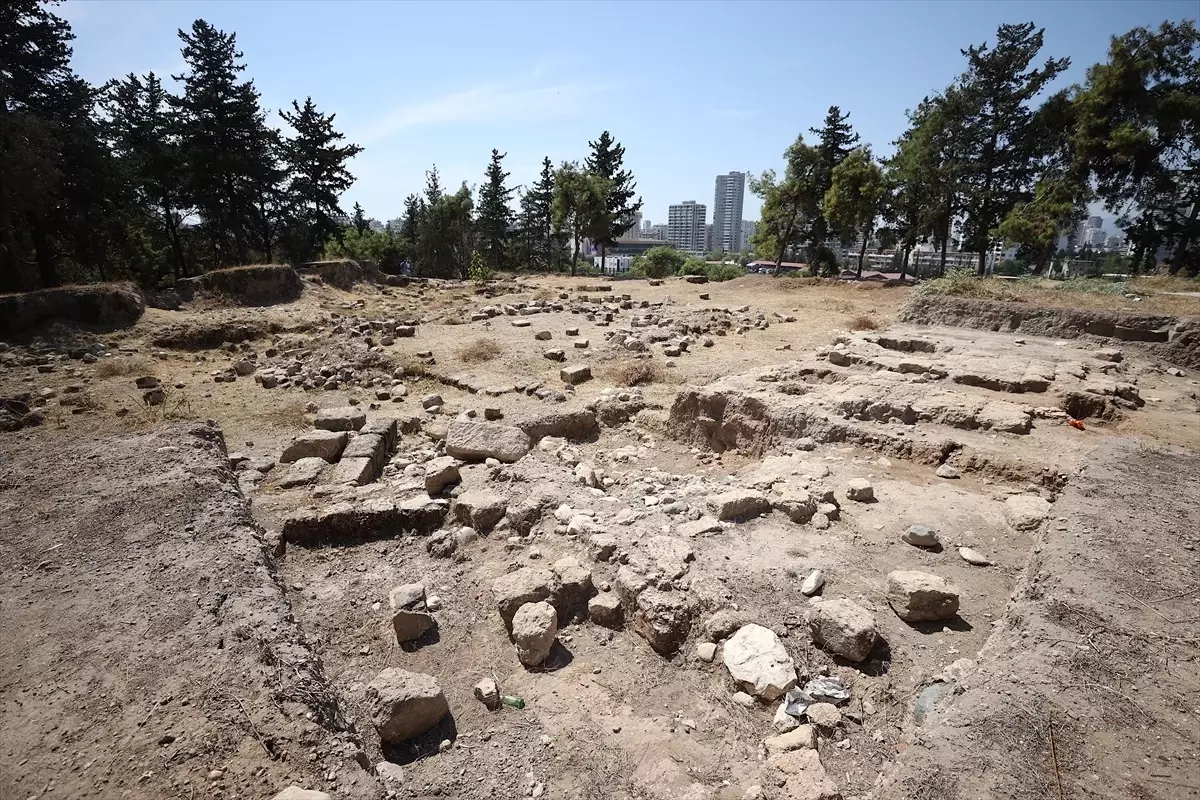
(860, 490)
(303, 472)
(480, 509)
(575, 374)
(296, 793)
(663, 619)
(844, 628)
(706, 652)
(605, 610)
(921, 536)
(974, 557)
(797, 503)
(921, 597)
(799, 737)
(488, 693)
(410, 596)
(948, 471)
(1026, 512)
(534, 627)
(813, 583)
(722, 623)
(327, 445)
(758, 662)
(525, 585)
(411, 625)
(800, 776)
(440, 472)
(347, 418)
(824, 715)
(739, 504)
(404, 704)
(476, 441)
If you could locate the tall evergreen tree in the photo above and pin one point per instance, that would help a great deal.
(835, 140)
(998, 143)
(231, 154)
(1138, 138)
(144, 135)
(359, 220)
(413, 208)
(607, 162)
(537, 220)
(315, 159)
(790, 204)
(495, 215)
(35, 79)
(579, 207)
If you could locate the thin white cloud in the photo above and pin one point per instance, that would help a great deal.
(483, 104)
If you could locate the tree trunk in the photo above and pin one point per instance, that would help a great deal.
(602, 257)
(982, 262)
(862, 253)
(945, 227)
(176, 245)
(574, 253)
(1181, 249)
(904, 263)
(47, 270)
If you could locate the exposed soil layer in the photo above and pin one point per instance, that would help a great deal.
(147, 639)
(1097, 647)
(106, 306)
(261, 285)
(1173, 339)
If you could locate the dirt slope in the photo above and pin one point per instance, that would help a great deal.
(147, 641)
(1099, 644)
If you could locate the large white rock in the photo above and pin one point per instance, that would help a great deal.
(476, 441)
(296, 793)
(404, 704)
(758, 662)
(346, 418)
(533, 630)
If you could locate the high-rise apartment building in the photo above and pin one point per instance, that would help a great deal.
(727, 212)
(749, 226)
(685, 226)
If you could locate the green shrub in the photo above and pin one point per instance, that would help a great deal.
(478, 271)
(658, 262)
(723, 272)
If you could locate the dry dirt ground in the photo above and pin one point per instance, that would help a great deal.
(187, 616)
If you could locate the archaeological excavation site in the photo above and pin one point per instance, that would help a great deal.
(324, 534)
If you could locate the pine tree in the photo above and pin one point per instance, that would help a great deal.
(232, 167)
(998, 138)
(495, 216)
(579, 207)
(35, 55)
(318, 174)
(606, 162)
(835, 140)
(854, 201)
(413, 208)
(537, 220)
(359, 220)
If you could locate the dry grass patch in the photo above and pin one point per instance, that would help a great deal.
(863, 322)
(636, 372)
(286, 416)
(479, 351)
(113, 366)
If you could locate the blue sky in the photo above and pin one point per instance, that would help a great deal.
(691, 89)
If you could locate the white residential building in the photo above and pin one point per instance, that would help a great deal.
(727, 212)
(685, 226)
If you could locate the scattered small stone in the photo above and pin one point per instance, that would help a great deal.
(948, 471)
(974, 557)
(844, 628)
(758, 662)
(706, 652)
(533, 630)
(813, 583)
